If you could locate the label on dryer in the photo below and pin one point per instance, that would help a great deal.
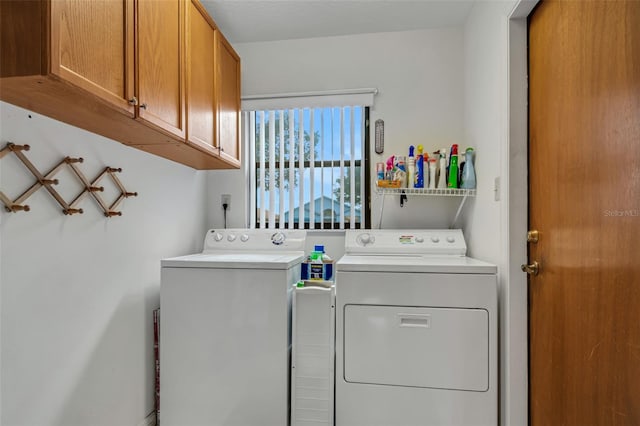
(407, 239)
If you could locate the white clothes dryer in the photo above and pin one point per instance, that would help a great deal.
(225, 332)
(416, 331)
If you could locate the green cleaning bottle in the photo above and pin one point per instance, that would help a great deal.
(453, 167)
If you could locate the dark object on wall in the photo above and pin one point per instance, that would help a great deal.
(379, 136)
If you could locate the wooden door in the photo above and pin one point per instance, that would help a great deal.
(160, 75)
(92, 47)
(200, 76)
(584, 153)
(227, 87)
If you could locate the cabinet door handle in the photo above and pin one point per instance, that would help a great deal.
(143, 106)
(133, 101)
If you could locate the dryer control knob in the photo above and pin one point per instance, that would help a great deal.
(278, 238)
(231, 238)
(435, 239)
(244, 238)
(419, 240)
(451, 239)
(218, 236)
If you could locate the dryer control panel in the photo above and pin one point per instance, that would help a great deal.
(405, 241)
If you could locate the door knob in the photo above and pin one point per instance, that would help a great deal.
(531, 269)
(533, 236)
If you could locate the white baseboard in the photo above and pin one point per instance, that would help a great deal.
(150, 420)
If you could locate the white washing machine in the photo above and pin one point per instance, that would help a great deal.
(416, 331)
(225, 332)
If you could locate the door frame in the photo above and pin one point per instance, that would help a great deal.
(515, 367)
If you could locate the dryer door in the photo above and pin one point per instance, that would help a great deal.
(444, 348)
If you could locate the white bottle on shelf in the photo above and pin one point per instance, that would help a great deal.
(432, 173)
(411, 172)
(442, 178)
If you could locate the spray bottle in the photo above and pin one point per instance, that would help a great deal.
(453, 167)
(402, 167)
(442, 178)
(432, 173)
(390, 164)
(419, 182)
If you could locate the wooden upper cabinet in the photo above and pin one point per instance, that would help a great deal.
(227, 88)
(200, 75)
(92, 47)
(88, 43)
(119, 68)
(160, 59)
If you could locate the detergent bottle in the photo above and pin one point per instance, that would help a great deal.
(419, 181)
(411, 168)
(469, 172)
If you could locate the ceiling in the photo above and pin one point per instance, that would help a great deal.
(245, 21)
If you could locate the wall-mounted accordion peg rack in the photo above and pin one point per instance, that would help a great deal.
(48, 182)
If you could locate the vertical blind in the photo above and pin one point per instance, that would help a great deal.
(309, 167)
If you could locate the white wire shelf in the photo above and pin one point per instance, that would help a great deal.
(443, 192)
(438, 192)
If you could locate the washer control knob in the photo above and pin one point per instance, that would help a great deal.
(217, 237)
(244, 238)
(365, 239)
(419, 240)
(435, 239)
(278, 238)
(231, 238)
(451, 239)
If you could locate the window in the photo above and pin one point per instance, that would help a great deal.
(310, 169)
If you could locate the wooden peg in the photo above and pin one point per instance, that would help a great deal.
(114, 170)
(17, 208)
(130, 194)
(71, 211)
(96, 189)
(70, 160)
(49, 181)
(112, 213)
(13, 147)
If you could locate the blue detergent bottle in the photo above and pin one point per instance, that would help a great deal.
(469, 172)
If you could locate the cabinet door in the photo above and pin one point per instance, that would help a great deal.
(92, 47)
(160, 79)
(227, 87)
(200, 76)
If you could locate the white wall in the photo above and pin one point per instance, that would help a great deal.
(487, 221)
(419, 75)
(77, 292)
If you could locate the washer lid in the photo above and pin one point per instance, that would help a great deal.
(414, 263)
(237, 260)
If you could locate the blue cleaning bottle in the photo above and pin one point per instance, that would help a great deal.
(411, 168)
(469, 172)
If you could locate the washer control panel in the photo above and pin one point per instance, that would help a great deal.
(383, 241)
(254, 239)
